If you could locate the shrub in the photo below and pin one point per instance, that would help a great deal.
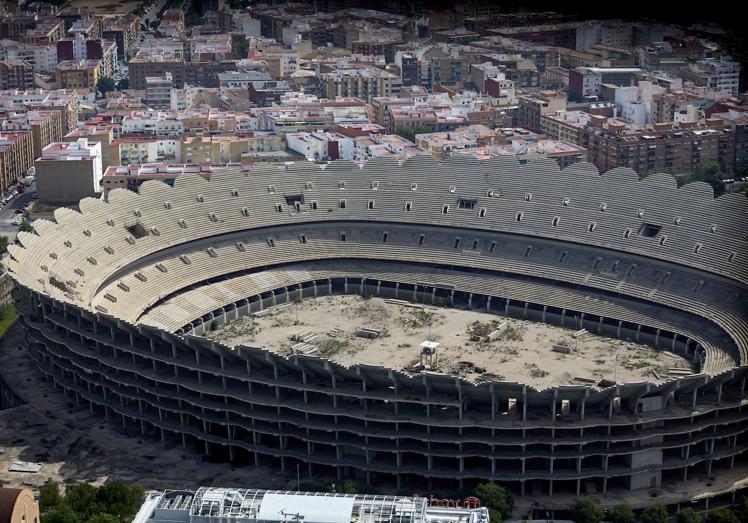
(587, 510)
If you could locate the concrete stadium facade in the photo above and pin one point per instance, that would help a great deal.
(116, 299)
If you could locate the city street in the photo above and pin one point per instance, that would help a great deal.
(8, 213)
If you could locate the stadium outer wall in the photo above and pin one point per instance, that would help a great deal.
(378, 426)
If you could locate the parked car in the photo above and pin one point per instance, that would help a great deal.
(16, 222)
(20, 210)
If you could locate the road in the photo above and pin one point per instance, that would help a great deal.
(153, 11)
(8, 213)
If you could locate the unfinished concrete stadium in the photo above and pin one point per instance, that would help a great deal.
(120, 300)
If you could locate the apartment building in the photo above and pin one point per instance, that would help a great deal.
(158, 91)
(125, 32)
(69, 171)
(41, 57)
(101, 134)
(16, 157)
(16, 74)
(77, 74)
(612, 143)
(722, 74)
(532, 106)
(362, 82)
(64, 101)
(45, 127)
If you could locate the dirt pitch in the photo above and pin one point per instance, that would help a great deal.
(524, 355)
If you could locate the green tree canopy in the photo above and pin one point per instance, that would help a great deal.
(741, 509)
(26, 226)
(409, 133)
(621, 514)
(655, 513)
(49, 495)
(712, 173)
(3, 245)
(587, 510)
(83, 503)
(105, 84)
(496, 498)
(81, 497)
(687, 515)
(722, 515)
(62, 513)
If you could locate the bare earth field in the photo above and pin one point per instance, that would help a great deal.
(524, 355)
(71, 443)
(101, 7)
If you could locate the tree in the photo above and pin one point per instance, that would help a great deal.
(62, 513)
(655, 513)
(587, 510)
(103, 518)
(119, 499)
(242, 48)
(687, 515)
(496, 498)
(722, 515)
(409, 133)
(621, 514)
(741, 509)
(712, 173)
(3, 245)
(25, 226)
(105, 84)
(81, 497)
(49, 495)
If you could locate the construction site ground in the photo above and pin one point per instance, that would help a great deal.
(525, 354)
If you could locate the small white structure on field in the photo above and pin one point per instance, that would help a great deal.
(429, 358)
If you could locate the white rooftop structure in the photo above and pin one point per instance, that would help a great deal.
(229, 505)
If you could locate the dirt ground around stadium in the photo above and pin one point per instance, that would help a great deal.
(525, 354)
(72, 444)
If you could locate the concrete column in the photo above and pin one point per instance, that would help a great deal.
(545, 308)
(488, 303)
(657, 338)
(397, 290)
(470, 300)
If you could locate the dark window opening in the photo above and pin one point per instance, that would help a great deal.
(649, 230)
(137, 230)
(466, 203)
(292, 199)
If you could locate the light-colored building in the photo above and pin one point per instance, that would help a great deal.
(69, 171)
(158, 91)
(235, 505)
(720, 74)
(74, 74)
